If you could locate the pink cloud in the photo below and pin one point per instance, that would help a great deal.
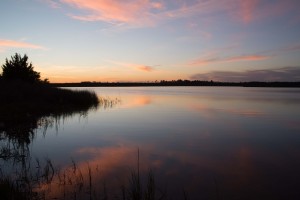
(130, 11)
(210, 60)
(145, 68)
(250, 10)
(248, 7)
(150, 12)
(246, 58)
(244, 11)
(141, 12)
(18, 44)
(157, 5)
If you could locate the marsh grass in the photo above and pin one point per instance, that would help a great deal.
(24, 107)
(106, 102)
(36, 99)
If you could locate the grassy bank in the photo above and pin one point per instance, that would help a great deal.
(22, 99)
(41, 98)
(23, 104)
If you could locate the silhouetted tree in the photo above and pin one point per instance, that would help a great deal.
(18, 68)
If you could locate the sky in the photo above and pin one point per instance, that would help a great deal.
(149, 40)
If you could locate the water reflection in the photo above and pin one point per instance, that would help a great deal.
(17, 131)
(221, 143)
(138, 101)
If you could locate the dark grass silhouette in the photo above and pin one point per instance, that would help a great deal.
(24, 97)
(27, 102)
(23, 104)
(37, 98)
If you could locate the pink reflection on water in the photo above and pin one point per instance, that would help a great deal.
(202, 143)
(137, 101)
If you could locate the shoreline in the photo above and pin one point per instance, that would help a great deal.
(180, 83)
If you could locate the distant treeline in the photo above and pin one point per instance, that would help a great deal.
(178, 83)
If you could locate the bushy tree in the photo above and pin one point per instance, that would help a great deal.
(18, 68)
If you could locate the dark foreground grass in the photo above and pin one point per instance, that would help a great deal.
(23, 104)
(43, 98)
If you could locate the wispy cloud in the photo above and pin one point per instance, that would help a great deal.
(212, 59)
(293, 47)
(145, 68)
(141, 13)
(247, 9)
(5, 44)
(255, 10)
(52, 3)
(279, 74)
(115, 11)
(146, 12)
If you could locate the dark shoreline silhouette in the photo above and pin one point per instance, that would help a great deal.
(23, 104)
(179, 83)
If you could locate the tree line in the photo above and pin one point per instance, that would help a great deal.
(178, 83)
(18, 68)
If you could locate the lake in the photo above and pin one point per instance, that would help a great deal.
(199, 142)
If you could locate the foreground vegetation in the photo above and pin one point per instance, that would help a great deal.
(27, 103)
(22, 104)
(43, 98)
(43, 180)
(22, 89)
(25, 97)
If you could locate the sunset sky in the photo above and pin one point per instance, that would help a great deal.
(148, 40)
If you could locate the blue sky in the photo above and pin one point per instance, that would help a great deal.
(145, 40)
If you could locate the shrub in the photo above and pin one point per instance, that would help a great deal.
(18, 68)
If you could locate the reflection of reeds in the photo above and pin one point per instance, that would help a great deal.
(48, 182)
(18, 122)
(136, 190)
(9, 191)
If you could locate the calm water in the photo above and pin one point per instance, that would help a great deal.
(213, 142)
